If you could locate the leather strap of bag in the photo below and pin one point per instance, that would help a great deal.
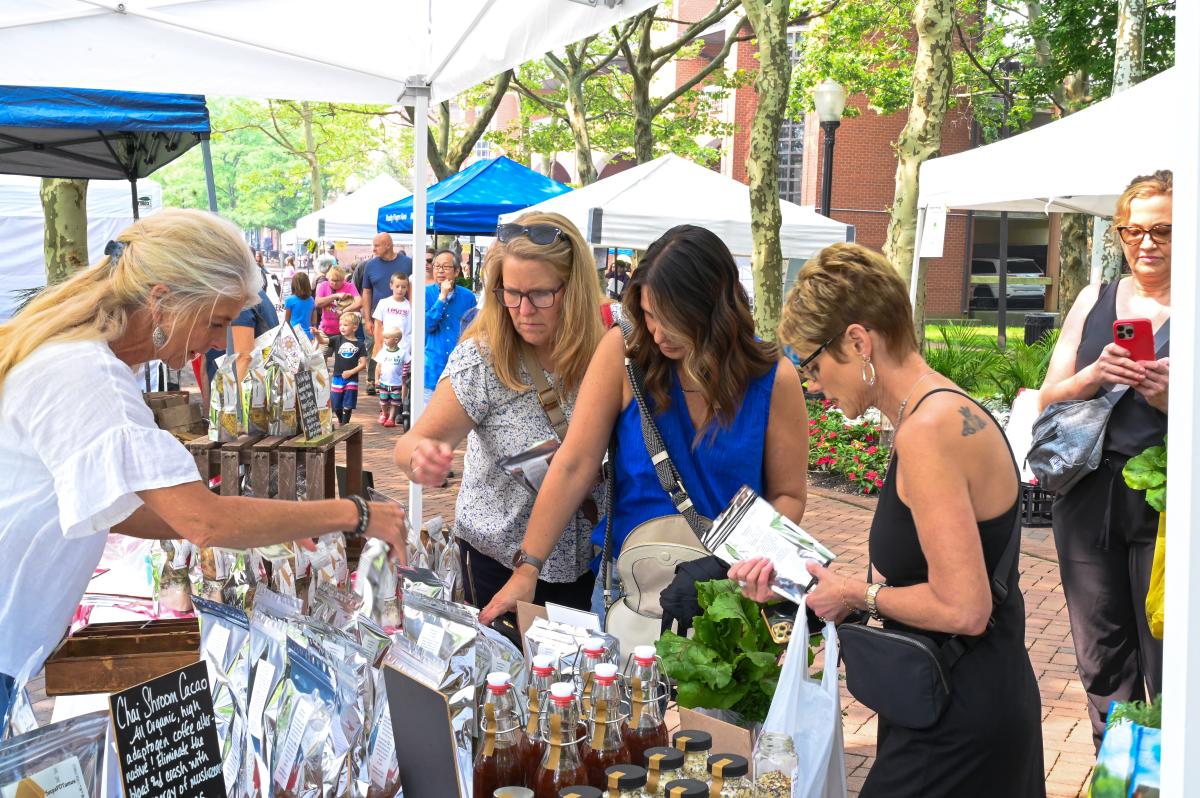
(548, 398)
(668, 475)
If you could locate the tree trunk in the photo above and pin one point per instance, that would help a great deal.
(1073, 259)
(1128, 70)
(577, 120)
(64, 203)
(310, 155)
(921, 138)
(643, 108)
(769, 20)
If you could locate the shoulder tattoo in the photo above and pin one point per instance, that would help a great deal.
(971, 422)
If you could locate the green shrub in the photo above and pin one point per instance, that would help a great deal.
(963, 356)
(851, 449)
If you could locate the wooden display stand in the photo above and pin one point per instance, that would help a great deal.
(260, 453)
(109, 657)
(175, 412)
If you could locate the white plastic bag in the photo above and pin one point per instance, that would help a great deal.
(811, 712)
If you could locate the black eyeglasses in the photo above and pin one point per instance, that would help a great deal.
(814, 374)
(1133, 234)
(539, 298)
(540, 234)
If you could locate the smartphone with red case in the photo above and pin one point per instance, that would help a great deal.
(1136, 335)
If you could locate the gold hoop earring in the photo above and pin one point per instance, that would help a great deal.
(867, 364)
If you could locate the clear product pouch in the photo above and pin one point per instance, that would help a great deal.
(255, 393)
(377, 583)
(268, 667)
(62, 759)
(224, 416)
(171, 562)
(302, 729)
(225, 648)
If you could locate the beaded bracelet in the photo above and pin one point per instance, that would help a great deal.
(364, 515)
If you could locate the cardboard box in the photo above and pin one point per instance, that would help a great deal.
(727, 738)
(178, 415)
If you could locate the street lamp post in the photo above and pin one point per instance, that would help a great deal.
(830, 100)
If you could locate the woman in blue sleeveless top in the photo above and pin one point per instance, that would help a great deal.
(730, 408)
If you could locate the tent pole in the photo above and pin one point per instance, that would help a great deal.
(208, 174)
(1002, 287)
(418, 95)
(133, 197)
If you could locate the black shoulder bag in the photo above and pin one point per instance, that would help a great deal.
(905, 675)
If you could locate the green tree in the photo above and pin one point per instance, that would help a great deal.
(450, 144)
(65, 243)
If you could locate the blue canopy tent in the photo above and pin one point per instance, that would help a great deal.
(470, 202)
(88, 133)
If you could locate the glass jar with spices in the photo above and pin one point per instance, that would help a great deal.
(775, 765)
(686, 788)
(625, 781)
(729, 776)
(695, 746)
(663, 765)
(580, 791)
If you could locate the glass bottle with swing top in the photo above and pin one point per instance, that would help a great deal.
(542, 675)
(502, 753)
(605, 744)
(562, 764)
(645, 727)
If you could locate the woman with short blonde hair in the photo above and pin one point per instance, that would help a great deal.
(540, 324)
(166, 289)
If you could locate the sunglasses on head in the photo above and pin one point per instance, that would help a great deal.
(1133, 234)
(540, 234)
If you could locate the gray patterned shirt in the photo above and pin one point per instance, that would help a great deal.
(493, 508)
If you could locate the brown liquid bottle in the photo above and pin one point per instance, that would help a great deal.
(542, 676)
(502, 755)
(645, 727)
(562, 764)
(592, 655)
(605, 744)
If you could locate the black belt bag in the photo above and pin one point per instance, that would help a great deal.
(903, 675)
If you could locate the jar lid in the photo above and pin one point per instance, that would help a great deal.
(593, 645)
(644, 654)
(580, 792)
(686, 788)
(606, 672)
(667, 758)
(622, 776)
(689, 740)
(498, 682)
(734, 765)
(543, 664)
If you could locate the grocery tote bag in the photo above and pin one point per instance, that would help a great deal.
(811, 712)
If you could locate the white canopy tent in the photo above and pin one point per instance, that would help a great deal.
(404, 51)
(1082, 163)
(353, 217)
(23, 225)
(640, 204)
(1078, 164)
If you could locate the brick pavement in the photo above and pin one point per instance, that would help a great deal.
(842, 523)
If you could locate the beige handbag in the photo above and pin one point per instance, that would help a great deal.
(654, 548)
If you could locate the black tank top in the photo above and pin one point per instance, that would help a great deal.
(896, 551)
(1134, 425)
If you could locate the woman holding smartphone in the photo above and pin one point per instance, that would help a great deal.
(1103, 530)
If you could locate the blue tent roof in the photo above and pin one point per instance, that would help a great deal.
(470, 202)
(90, 133)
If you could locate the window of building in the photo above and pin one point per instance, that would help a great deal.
(791, 139)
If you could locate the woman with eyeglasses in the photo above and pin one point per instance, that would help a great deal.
(542, 313)
(729, 407)
(1105, 531)
(947, 515)
(446, 302)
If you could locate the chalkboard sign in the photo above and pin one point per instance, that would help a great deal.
(167, 743)
(310, 414)
(425, 751)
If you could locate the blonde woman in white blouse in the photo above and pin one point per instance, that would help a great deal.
(168, 289)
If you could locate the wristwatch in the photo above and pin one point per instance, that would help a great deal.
(872, 598)
(522, 557)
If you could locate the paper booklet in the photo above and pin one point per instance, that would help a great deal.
(750, 527)
(530, 466)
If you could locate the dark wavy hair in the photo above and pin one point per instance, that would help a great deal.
(701, 302)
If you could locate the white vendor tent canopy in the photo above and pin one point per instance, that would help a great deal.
(1078, 164)
(640, 204)
(352, 218)
(22, 227)
(404, 51)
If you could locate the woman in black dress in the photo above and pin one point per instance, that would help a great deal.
(1103, 529)
(945, 515)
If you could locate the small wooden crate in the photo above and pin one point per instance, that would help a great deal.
(260, 453)
(108, 657)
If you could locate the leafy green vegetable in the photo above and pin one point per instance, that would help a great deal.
(1139, 712)
(730, 662)
(1148, 472)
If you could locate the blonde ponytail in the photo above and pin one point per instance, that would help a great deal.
(201, 257)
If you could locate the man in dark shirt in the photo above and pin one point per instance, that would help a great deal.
(377, 285)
